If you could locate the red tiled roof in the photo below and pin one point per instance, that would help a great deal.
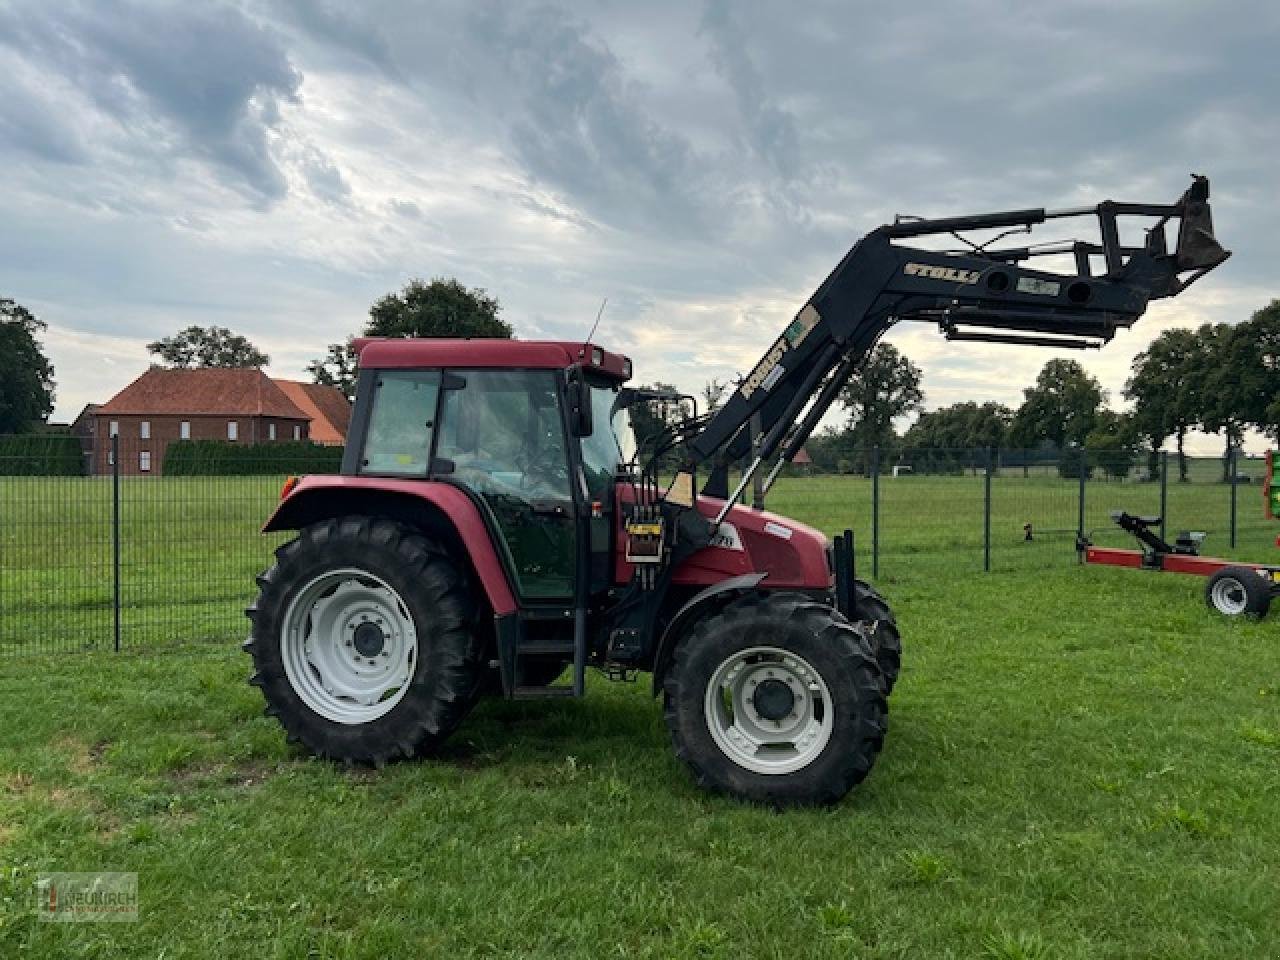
(329, 410)
(217, 391)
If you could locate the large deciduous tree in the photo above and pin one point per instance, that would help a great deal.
(1060, 409)
(1113, 443)
(886, 386)
(1259, 344)
(337, 368)
(961, 426)
(1167, 389)
(207, 347)
(441, 308)
(1231, 356)
(26, 376)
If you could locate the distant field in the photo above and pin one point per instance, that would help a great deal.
(191, 546)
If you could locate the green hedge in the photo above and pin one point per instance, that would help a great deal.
(41, 455)
(199, 458)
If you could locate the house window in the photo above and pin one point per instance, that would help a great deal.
(271, 431)
(233, 430)
(114, 430)
(144, 461)
(297, 431)
(144, 430)
(184, 430)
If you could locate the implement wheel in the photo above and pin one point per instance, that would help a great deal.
(1238, 592)
(870, 608)
(776, 699)
(362, 641)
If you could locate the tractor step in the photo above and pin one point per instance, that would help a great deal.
(542, 693)
(551, 648)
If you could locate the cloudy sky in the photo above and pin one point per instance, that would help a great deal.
(275, 166)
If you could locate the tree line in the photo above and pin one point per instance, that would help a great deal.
(1220, 378)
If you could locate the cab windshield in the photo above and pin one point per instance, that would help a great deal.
(612, 441)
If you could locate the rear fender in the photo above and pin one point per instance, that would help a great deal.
(440, 510)
(712, 597)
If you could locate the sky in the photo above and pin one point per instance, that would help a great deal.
(276, 166)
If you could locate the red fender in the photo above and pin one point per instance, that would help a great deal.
(320, 497)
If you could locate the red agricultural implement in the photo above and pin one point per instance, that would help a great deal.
(1234, 588)
(495, 527)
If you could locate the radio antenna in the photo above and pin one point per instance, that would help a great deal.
(592, 332)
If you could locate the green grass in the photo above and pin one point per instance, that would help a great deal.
(1081, 763)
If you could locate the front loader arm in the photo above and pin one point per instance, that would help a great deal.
(978, 293)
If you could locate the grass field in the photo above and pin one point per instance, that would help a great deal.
(1081, 763)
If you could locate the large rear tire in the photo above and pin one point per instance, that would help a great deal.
(871, 608)
(776, 699)
(363, 641)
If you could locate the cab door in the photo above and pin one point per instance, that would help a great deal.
(501, 434)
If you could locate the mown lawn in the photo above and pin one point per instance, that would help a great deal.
(1081, 763)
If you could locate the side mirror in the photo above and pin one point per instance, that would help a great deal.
(579, 399)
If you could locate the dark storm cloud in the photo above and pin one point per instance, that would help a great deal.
(200, 80)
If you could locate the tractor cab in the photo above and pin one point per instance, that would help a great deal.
(529, 430)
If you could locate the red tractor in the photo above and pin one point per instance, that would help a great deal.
(494, 524)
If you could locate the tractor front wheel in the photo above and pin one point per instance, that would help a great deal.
(362, 641)
(871, 608)
(1239, 591)
(776, 699)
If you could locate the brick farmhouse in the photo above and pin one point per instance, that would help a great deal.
(237, 405)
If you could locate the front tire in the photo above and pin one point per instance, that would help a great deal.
(870, 608)
(363, 641)
(1239, 591)
(776, 699)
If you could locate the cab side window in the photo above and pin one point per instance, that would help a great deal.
(402, 423)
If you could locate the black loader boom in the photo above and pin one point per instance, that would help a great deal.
(981, 292)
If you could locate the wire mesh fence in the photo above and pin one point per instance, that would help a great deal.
(125, 555)
(108, 549)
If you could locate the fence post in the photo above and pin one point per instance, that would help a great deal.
(1082, 469)
(115, 539)
(1164, 491)
(875, 513)
(986, 516)
(1234, 451)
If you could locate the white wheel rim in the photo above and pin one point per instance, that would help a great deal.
(349, 646)
(1229, 596)
(760, 741)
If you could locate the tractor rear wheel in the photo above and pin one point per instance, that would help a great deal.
(776, 699)
(363, 641)
(1238, 591)
(871, 608)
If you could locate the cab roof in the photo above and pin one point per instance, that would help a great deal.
(392, 353)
